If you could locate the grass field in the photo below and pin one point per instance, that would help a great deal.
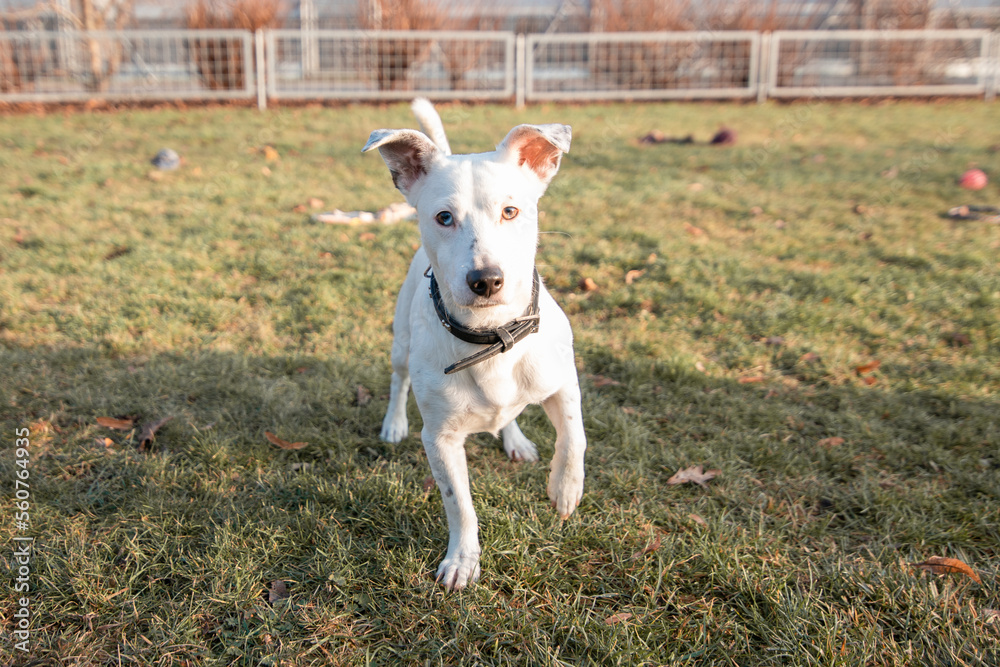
(799, 316)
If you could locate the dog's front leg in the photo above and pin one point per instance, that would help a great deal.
(446, 454)
(566, 477)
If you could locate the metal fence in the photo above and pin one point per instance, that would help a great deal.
(860, 62)
(645, 65)
(128, 65)
(389, 64)
(352, 64)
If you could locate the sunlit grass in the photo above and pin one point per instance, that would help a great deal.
(739, 291)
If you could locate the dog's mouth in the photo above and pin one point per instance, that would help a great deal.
(485, 303)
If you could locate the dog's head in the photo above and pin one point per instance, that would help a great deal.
(478, 213)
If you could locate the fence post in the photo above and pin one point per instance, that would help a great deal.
(520, 56)
(260, 67)
(763, 66)
(992, 66)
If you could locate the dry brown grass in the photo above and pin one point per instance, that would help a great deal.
(220, 61)
(10, 70)
(397, 56)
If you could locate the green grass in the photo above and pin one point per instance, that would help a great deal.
(202, 295)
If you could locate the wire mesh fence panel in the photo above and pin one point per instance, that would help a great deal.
(642, 65)
(862, 62)
(390, 64)
(126, 65)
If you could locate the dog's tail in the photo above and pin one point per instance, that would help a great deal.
(430, 123)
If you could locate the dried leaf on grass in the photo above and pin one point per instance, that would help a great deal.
(617, 618)
(698, 520)
(117, 424)
(649, 548)
(284, 444)
(692, 230)
(752, 379)
(364, 396)
(632, 275)
(830, 442)
(429, 484)
(942, 565)
(117, 252)
(588, 285)
(694, 474)
(603, 381)
(149, 432)
(867, 368)
(277, 591)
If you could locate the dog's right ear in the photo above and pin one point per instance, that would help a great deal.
(408, 154)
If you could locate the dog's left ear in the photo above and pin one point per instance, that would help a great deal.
(538, 148)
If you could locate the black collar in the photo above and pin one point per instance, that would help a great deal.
(499, 339)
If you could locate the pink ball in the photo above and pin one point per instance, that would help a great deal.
(973, 179)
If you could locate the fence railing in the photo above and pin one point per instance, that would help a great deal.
(350, 64)
(858, 62)
(642, 65)
(355, 64)
(129, 65)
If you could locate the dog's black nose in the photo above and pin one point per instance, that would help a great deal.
(485, 282)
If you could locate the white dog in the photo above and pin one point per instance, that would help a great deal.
(475, 330)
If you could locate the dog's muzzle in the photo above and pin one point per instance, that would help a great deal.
(499, 339)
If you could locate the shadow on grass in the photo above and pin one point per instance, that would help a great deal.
(182, 542)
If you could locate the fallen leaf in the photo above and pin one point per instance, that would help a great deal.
(698, 366)
(692, 230)
(830, 442)
(284, 444)
(149, 432)
(364, 396)
(868, 368)
(632, 275)
(367, 236)
(649, 548)
(694, 474)
(869, 380)
(959, 340)
(752, 379)
(270, 154)
(698, 520)
(617, 618)
(104, 442)
(117, 252)
(429, 484)
(300, 208)
(588, 285)
(942, 565)
(602, 381)
(119, 424)
(277, 591)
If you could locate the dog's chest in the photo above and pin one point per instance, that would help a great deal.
(498, 397)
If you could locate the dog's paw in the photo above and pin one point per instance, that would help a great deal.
(565, 492)
(457, 572)
(519, 448)
(394, 430)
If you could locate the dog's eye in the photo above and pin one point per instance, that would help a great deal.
(445, 218)
(509, 213)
